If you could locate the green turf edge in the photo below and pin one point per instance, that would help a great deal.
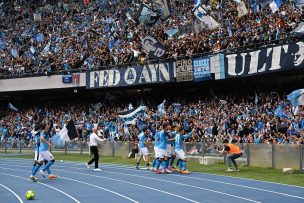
(256, 173)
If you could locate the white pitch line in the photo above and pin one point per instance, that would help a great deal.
(126, 166)
(11, 191)
(208, 180)
(131, 183)
(132, 200)
(172, 182)
(125, 197)
(225, 183)
(75, 200)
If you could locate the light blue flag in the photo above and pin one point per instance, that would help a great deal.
(39, 38)
(171, 32)
(14, 53)
(296, 98)
(10, 106)
(197, 2)
(126, 130)
(161, 108)
(279, 112)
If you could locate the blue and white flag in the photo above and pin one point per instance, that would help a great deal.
(208, 20)
(14, 53)
(126, 130)
(176, 107)
(161, 108)
(46, 49)
(60, 138)
(296, 98)
(171, 32)
(2, 41)
(130, 116)
(275, 5)
(197, 2)
(10, 106)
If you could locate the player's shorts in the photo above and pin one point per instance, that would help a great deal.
(161, 153)
(180, 154)
(143, 151)
(156, 152)
(168, 150)
(35, 156)
(46, 155)
(173, 150)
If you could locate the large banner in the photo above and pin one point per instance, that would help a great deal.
(266, 60)
(153, 47)
(138, 75)
(201, 69)
(128, 117)
(184, 70)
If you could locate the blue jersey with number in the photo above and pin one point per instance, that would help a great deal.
(44, 146)
(157, 139)
(163, 140)
(37, 141)
(179, 140)
(142, 139)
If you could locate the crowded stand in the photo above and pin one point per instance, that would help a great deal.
(39, 38)
(259, 118)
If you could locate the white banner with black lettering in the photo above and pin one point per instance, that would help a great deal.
(265, 60)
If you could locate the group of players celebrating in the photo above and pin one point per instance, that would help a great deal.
(168, 144)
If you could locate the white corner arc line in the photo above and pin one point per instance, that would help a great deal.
(11, 191)
(79, 182)
(75, 200)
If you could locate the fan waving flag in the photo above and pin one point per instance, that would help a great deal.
(296, 98)
(161, 108)
(163, 8)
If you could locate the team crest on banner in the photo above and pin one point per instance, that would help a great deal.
(153, 47)
(125, 76)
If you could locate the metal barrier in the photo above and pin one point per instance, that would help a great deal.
(260, 155)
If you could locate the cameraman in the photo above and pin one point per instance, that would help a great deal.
(233, 152)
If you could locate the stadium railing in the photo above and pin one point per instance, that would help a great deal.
(259, 155)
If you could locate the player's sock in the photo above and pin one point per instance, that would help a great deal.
(148, 165)
(181, 164)
(34, 165)
(154, 163)
(36, 169)
(172, 161)
(165, 164)
(48, 165)
(184, 166)
(49, 171)
(157, 164)
(178, 163)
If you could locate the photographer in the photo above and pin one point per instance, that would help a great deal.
(233, 152)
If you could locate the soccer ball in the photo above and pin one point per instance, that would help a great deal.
(30, 195)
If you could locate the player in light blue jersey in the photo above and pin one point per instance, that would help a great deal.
(179, 149)
(162, 147)
(36, 149)
(142, 144)
(44, 154)
(156, 143)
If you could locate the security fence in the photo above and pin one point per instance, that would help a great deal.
(260, 155)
